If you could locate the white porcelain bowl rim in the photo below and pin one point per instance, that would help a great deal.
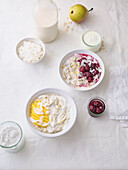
(85, 52)
(56, 91)
(30, 39)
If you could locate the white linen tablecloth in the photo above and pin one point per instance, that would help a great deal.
(92, 143)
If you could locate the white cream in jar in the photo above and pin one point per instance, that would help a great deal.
(92, 41)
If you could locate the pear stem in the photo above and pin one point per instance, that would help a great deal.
(90, 9)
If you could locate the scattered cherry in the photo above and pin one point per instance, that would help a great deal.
(88, 74)
(95, 72)
(87, 68)
(90, 79)
(93, 65)
(84, 74)
(82, 69)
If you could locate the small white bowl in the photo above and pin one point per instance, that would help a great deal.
(70, 101)
(35, 40)
(67, 56)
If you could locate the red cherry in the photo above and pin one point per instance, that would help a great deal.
(101, 108)
(93, 65)
(92, 108)
(98, 110)
(90, 79)
(82, 69)
(79, 61)
(95, 103)
(99, 103)
(92, 102)
(95, 72)
(87, 68)
(84, 74)
(88, 74)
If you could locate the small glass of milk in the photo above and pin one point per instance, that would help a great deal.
(11, 136)
(92, 41)
(46, 20)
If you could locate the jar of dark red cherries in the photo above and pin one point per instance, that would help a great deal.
(96, 107)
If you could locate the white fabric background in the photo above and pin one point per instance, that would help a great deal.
(92, 143)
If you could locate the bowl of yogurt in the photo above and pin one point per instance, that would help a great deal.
(51, 112)
(82, 70)
(30, 50)
(11, 136)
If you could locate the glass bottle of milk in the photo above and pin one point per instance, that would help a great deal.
(46, 19)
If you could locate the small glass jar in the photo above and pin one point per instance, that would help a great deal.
(11, 136)
(96, 115)
(92, 41)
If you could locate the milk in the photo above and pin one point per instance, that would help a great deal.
(46, 20)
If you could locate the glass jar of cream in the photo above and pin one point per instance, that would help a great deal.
(11, 136)
(92, 41)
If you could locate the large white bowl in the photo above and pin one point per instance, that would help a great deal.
(70, 101)
(35, 40)
(67, 56)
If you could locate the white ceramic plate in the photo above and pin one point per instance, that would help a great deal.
(35, 40)
(67, 56)
(70, 101)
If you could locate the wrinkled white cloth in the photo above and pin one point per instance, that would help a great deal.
(118, 94)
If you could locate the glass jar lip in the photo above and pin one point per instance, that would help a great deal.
(100, 98)
(20, 136)
(88, 44)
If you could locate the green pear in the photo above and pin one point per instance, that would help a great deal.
(78, 13)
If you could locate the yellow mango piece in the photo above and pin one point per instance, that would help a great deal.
(34, 117)
(45, 115)
(35, 103)
(38, 116)
(33, 106)
(38, 124)
(45, 120)
(44, 109)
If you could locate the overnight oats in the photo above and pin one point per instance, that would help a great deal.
(50, 113)
(81, 70)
